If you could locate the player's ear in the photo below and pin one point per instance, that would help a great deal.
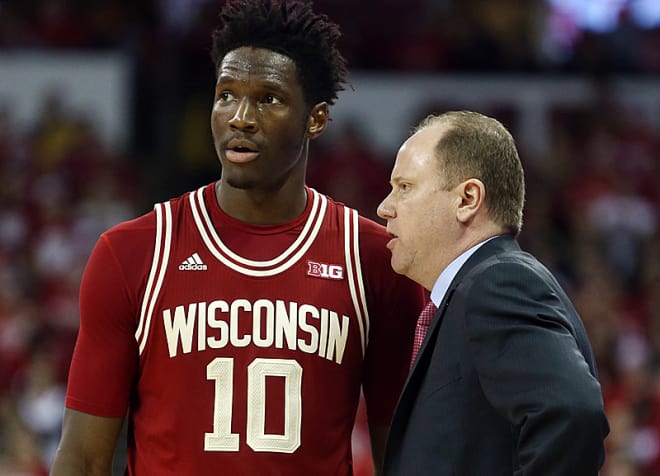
(317, 120)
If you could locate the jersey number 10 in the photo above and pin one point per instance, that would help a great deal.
(221, 371)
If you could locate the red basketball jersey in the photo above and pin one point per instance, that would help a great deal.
(241, 349)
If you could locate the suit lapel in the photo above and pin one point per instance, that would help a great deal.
(500, 244)
(495, 246)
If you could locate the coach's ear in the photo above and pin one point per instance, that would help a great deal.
(318, 120)
(472, 195)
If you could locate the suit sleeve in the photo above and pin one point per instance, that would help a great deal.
(522, 336)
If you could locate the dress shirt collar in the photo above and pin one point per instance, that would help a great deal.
(447, 276)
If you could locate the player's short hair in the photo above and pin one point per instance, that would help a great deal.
(476, 146)
(291, 28)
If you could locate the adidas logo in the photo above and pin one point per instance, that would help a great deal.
(193, 263)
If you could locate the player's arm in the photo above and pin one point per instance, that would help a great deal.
(102, 368)
(87, 445)
(378, 437)
(394, 303)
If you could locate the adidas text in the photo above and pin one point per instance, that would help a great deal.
(193, 263)
(192, 267)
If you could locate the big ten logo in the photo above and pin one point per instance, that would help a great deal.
(324, 270)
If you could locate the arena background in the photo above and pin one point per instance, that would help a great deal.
(104, 109)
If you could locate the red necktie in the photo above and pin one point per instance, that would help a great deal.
(423, 323)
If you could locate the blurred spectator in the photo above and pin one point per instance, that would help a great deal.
(21, 454)
(40, 402)
(60, 188)
(346, 168)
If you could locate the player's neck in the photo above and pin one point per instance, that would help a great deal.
(262, 207)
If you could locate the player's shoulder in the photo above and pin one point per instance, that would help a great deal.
(372, 230)
(372, 236)
(140, 224)
(130, 238)
(145, 224)
(373, 239)
(368, 228)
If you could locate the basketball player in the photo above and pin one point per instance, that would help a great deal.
(237, 324)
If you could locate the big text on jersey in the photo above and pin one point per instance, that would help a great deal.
(280, 324)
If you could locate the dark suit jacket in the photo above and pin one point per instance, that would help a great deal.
(505, 382)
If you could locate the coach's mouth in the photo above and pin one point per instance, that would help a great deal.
(393, 239)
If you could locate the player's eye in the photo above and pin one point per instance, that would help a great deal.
(225, 96)
(271, 99)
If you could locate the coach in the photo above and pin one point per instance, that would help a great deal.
(505, 382)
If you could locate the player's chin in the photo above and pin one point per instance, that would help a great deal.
(242, 183)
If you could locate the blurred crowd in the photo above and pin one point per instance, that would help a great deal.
(438, 35)
(592, 212)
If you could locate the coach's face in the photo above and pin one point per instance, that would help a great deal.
(420, 213)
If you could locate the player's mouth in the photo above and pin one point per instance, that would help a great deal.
(240, 151)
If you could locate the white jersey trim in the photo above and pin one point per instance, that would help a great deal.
(163, 243)
(162, 246)
(354, 274)
(249, 267)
